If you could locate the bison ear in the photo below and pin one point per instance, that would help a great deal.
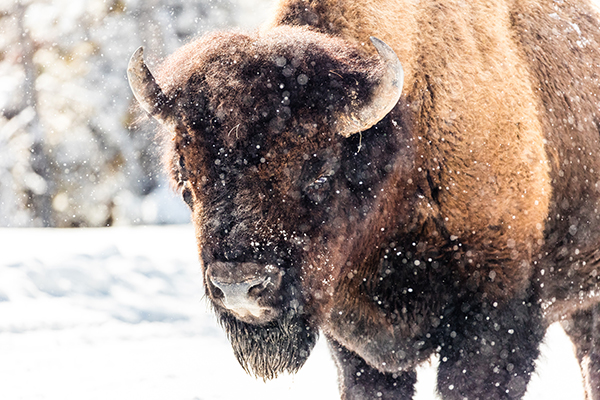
(384, 98)
(145, 89)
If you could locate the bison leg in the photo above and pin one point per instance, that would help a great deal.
(359, 381)
(584, 330)
(488, 351)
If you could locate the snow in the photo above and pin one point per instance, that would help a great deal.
(118, 313)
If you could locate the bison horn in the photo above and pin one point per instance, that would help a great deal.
(385, 96)
(145, 89)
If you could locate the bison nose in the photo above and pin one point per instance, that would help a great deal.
(241, 295)
(248, 290)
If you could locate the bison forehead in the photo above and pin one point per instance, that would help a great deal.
(237, 85)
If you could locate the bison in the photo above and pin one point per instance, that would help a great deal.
(435, 191)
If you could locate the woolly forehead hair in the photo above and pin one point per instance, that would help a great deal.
(290, 76)
(223, 47)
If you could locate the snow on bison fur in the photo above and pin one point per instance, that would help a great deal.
(440, 197)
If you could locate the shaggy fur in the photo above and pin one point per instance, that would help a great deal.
(266, 351)
(463, 223)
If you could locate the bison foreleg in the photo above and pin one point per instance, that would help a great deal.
(359, 381)
(584, 330)
(488, 351)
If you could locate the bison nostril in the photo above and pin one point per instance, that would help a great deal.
(259, 287)
(217, 292)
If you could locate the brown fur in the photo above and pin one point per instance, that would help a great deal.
(491, 168)
(468, 212)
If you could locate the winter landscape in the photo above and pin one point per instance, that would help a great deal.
(118, 312)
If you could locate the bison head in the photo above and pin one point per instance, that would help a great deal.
(269, 142)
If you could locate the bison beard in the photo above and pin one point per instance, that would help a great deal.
(267, 350)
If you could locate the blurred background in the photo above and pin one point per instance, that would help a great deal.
(70, 152)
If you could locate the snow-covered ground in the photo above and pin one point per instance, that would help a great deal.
(118, 313)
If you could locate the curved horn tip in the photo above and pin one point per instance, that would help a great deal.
(136, 63)
(389, 55)
(137, 55)
(139, 51)
(382, 47)
(144, 86)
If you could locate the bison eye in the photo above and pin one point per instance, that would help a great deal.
(186, 193)
(318, 190)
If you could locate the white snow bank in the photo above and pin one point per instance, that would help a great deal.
(117, 313)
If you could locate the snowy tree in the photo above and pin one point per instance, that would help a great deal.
(70, 154)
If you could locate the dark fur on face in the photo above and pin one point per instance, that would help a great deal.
(256, 154)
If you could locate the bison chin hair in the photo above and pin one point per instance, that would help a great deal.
(265, 351)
